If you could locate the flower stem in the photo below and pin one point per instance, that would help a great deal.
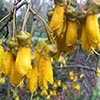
(14, 23)
(49, 31)
(26, 18)
(31, 96)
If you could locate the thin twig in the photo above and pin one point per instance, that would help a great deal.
(87, 85)
(78, 66)
(5, 24)
(6, 33)
(8, 15)
(7, 30)
(32, 27)
(95, 51)
(19, 6)
(16, 2)
(88, 57)
(31, 96)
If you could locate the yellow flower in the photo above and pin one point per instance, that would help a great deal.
(54, 86)
(2, 80)
(17, 98)
(48, 97)
(53, 93)
(71, 73)
(81, 75)
(44, 92)
(62, 61)
(98, 72)
(64, 87)
(72, 77)
(76, 86)
(59, 82)
(75, 79)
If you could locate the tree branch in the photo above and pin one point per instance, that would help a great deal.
(79, 66)
(5, 24)
(10, 15)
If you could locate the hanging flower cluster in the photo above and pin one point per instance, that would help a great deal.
(71, 26)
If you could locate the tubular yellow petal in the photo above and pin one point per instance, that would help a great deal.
(41, 79)
(71, 34)
(7, 63)
(32, 82)
(48, 71)
(92, 28)
(61, 39)
(56, 23)
(1, 57)
(15, 77)
(84, 40)
(23, 60)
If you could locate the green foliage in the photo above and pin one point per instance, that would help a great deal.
(3, 9)
(3, 12)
